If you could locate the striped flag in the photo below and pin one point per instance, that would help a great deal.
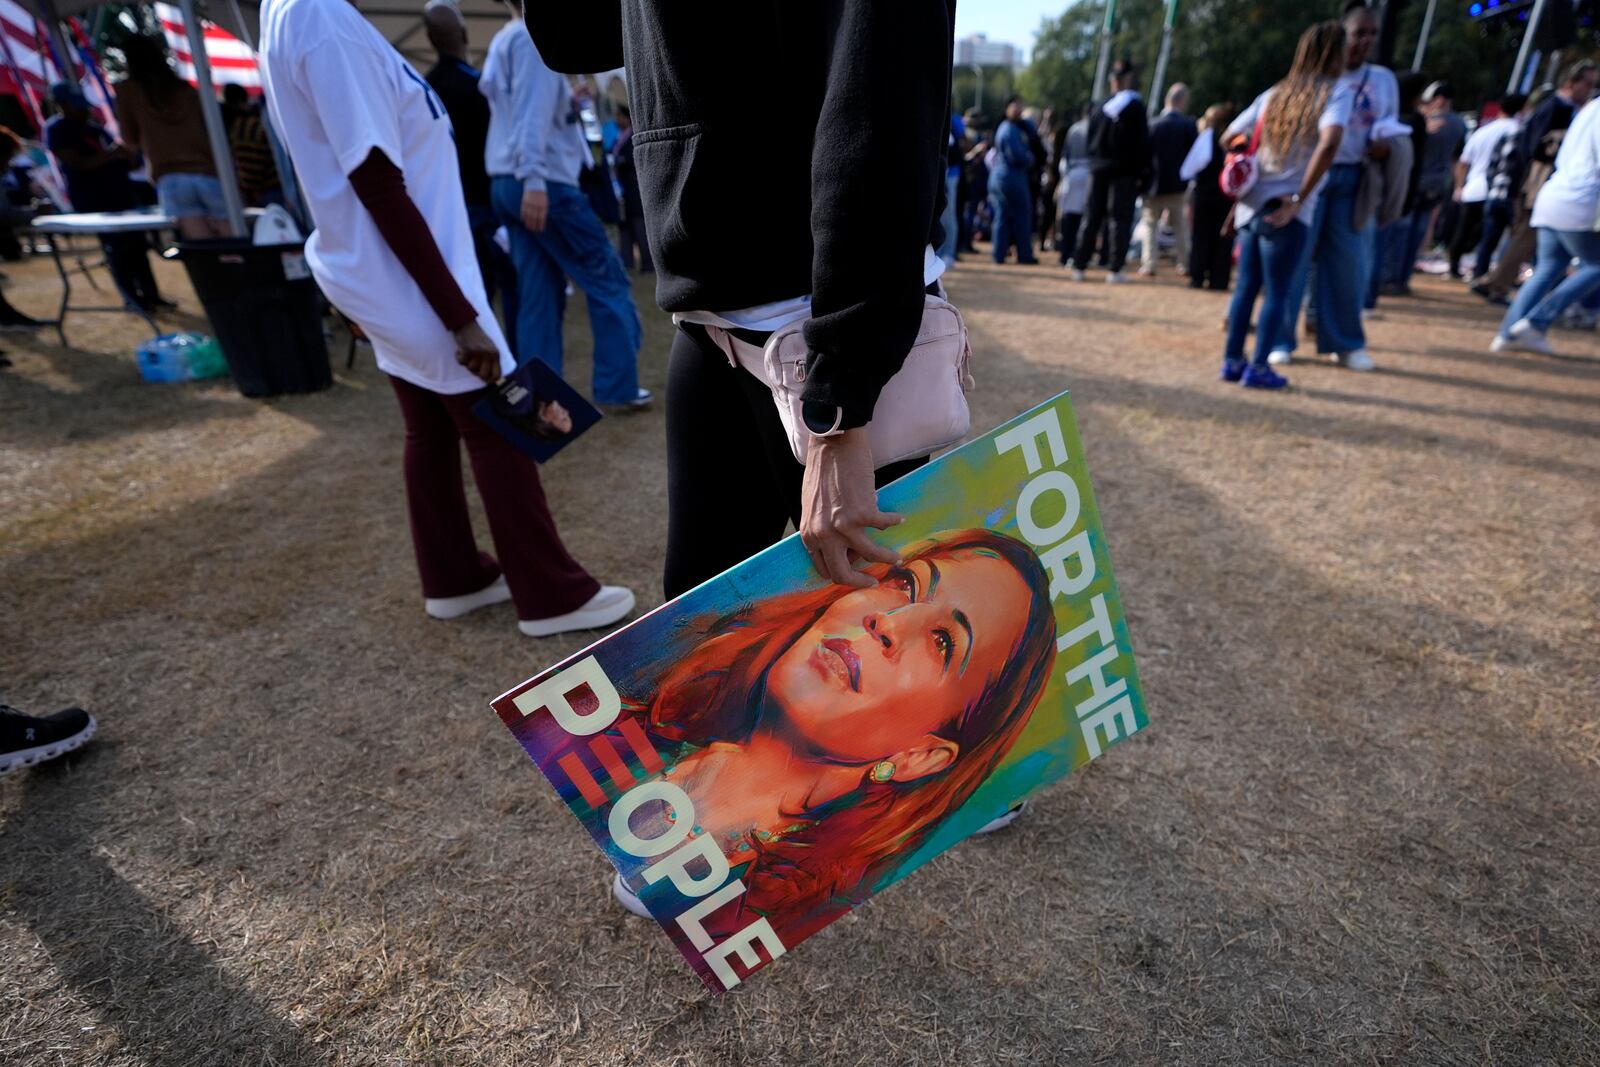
(21, 53)
(232, 62)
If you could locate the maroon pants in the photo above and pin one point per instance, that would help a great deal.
(544, 579)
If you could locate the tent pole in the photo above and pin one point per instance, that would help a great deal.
(221, 153)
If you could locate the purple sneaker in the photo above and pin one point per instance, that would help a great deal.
(1233, 369)
(1262, 378)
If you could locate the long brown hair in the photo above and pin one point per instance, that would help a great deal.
(840, 851)
(1297, 101)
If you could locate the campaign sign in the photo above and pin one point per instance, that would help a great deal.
(766, 751)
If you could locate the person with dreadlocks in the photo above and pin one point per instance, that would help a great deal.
(1300, 122)
(824, 735)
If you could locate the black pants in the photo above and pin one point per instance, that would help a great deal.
(1469, 227)
(1210, 253)
(1110, 201)
(733, 484)
(1067, 235)
(630, 236)
(494, 263)
(128, 260)
(1497, 215)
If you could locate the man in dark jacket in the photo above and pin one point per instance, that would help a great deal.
(830, 223)
(1119, 151)
(1171, 137)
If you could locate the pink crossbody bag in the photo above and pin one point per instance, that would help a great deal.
(922, 409)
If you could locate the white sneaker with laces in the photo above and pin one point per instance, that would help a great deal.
(628, 898)
(1280, 357)
(1002, 821)
(1116, 277)
(453, 607)
(611, 604)
(1357, 360)
(1527, 337)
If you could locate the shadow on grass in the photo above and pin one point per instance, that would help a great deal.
(168, 999)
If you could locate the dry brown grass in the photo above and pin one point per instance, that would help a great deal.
(1363, 828)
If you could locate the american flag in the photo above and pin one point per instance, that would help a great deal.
(231, 59)
(21, 53)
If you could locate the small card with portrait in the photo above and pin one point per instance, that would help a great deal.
(535, 409)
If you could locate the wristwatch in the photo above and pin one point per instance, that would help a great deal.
(823, 420)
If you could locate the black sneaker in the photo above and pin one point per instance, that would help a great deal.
(25, 740)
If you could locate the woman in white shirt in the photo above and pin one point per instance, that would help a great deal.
(1301, 122)
(1565, 214)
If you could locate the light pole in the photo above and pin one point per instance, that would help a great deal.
(1427, 30)
(1104, 63)
(1156, 86)
(1528, 34)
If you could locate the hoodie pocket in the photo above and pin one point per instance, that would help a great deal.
(664, 160)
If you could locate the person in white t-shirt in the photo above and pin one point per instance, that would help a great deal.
(1299, 125)
(1342, 256)
(1566, 215)
(1472, 184)
(393, 250)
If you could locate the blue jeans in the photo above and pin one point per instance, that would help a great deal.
(191, 196)
(1013, 214)
(573, 245)
(1546, 295)
(1270, 258)
(1341, 257)
(947, 250)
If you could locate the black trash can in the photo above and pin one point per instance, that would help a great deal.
(266, 311)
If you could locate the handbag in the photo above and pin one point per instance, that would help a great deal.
(1240, 167)
(922, 409)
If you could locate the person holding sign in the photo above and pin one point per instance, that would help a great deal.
(393, 250)
(831, 222)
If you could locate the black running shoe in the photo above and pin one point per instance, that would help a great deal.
(26, 740)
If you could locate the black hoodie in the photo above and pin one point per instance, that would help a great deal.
(783, 147)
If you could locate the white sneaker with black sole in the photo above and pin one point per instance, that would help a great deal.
(628, 898)
(1002, 821)
(26, 740)
(453, 607)
(611, 604)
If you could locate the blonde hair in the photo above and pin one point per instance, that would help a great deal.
(1297, 101)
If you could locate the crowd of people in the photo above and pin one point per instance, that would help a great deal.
(438, 196)
(1361, 176)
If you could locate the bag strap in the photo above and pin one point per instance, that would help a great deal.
(1255, 138)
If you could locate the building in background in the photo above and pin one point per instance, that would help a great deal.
(979, 51)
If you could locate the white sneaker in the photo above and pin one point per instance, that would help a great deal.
(1501, 344)
(1003, 821)
(453, 607)
(1116, 277)
(1077, 275)
(1527, 337)
(1280, 357)
(1357, 360)
(611, 604)
(628, 898)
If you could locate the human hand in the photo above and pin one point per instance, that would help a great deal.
(535, 209)
(1378, 150)
(477, 353)
(1284, 215)
(838, 504)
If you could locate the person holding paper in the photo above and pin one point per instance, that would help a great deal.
(393, 250)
